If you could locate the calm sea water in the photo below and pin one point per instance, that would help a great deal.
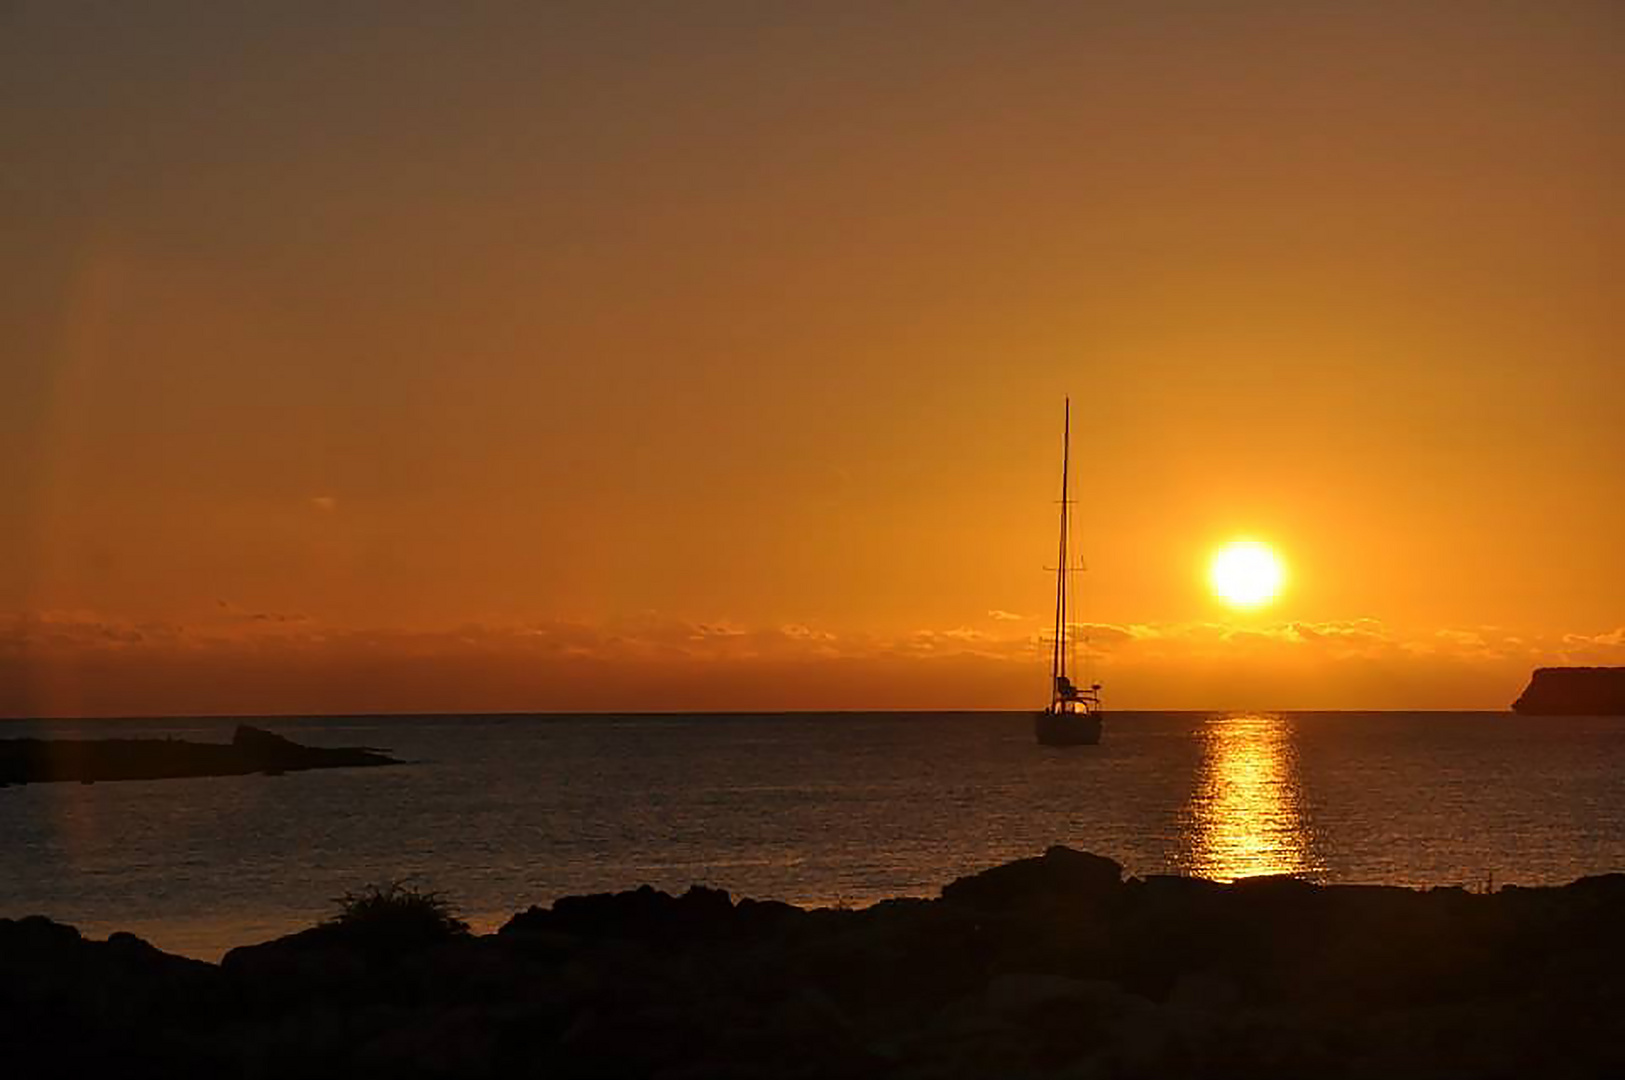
(503, 812)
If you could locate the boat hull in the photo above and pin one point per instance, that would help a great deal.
(1067, 729)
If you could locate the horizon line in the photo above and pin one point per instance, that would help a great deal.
(700, 712)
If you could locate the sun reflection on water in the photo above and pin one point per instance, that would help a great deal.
(1246, 816)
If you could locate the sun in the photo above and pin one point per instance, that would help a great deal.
(1246, 574)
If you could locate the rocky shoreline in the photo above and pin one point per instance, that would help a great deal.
(1050, 966)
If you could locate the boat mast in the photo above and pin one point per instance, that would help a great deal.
(1058, 661)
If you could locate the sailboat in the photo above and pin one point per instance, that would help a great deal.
(1073, 715)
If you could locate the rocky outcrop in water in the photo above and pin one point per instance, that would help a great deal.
(1051, 966)
(251, 750)
(1574, 691)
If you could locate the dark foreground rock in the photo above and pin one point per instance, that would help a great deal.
(1052, 966)
(1576, 691)
(251, 750)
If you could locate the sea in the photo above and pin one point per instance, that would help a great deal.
(823, 809)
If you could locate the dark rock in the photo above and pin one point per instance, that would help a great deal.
(1204, 992)
(1273, 888)
(1611, 886)
(1015, 994)
(1573, 691)
(251, 750)
(1059, 875)
(1046, 967)
(72, 1007)
(311, 965)
(35, 936)
(646, 914)
(1175, 888)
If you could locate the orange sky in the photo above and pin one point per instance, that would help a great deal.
(501, 355)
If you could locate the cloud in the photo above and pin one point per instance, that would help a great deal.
(1613, 639)
(75, 630)
(1105, 636)
(84, 663)
(240, 614)
(1604, 648)
(1000, 615)
(325, 503)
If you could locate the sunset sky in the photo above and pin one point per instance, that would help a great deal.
(435, 357)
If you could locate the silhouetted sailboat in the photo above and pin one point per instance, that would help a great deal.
(1073, 715)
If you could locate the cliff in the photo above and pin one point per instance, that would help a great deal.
(1578, 691)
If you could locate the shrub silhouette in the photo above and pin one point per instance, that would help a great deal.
(397, 912)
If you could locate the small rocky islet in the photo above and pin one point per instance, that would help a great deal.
(251, 750)
(1053, 966)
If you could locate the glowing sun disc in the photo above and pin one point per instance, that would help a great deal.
(1246, 574)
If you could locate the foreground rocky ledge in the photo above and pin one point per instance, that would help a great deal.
(251, 750)
(1051, 966)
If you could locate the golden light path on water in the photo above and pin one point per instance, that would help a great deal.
(1246, 816)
